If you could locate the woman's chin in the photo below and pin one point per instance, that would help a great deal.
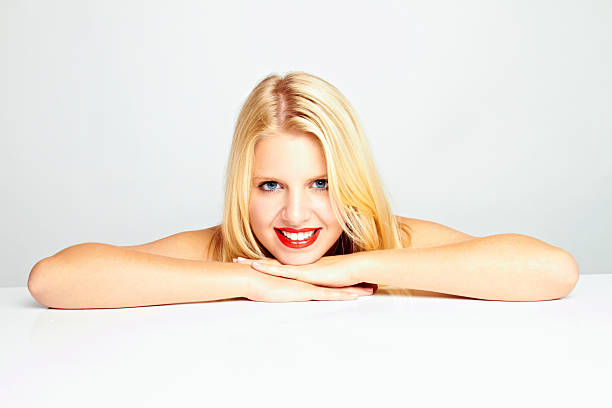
(296, 260)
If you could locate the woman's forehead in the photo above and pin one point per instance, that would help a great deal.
(288, 153)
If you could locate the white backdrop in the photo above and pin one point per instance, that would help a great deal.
(116, 117)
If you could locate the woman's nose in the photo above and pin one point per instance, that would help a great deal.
(297, 209)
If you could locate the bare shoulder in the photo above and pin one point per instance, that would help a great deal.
(192, 244)
(426, 233)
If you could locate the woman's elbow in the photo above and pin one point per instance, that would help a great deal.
(568, 271)
(37, 278)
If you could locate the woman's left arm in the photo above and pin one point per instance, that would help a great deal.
(512, 267)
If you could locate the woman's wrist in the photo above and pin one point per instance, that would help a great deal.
(362, 266)
(245, 278)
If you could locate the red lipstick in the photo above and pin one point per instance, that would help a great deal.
(295, 231)
(297, 244)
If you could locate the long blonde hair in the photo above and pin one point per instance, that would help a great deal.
(303, 102)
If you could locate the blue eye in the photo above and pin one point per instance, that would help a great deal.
(321, 187)
(267, 182)
(325, 181)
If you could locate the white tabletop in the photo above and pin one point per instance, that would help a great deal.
(398, 346)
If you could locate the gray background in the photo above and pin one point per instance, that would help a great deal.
(116, 117)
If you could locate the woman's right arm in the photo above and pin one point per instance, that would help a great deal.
(96, 275)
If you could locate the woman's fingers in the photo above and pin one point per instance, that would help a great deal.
(339, 296)
(269, 288)
(327, 273)
(373, 286)
(269, 261)
(359, 291)
(347, 293)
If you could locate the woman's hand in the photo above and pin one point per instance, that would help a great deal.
(338, 271)
(268, 288)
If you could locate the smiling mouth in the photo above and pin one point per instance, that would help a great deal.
(297, 243)
(292, 231)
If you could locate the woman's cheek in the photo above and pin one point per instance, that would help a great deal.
(260, 211)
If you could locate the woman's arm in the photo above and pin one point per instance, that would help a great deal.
(95, 275)
(498, 267)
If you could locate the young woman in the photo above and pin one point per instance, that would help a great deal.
(303, 199)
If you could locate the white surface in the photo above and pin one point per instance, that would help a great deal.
(414, 349)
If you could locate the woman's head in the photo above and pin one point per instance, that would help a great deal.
(289, 190)
(300, 136)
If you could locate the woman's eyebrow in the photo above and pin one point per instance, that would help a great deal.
(277, 179)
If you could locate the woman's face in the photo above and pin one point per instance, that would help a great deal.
(289, 191)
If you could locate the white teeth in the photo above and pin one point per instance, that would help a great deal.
(300, 236)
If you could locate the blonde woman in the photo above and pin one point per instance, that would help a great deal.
(305, 218)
